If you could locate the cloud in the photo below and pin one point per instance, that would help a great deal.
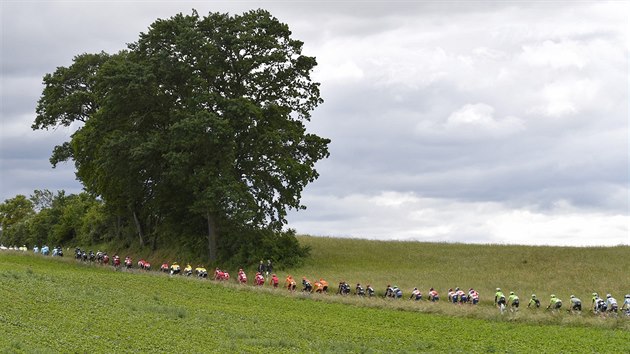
(562, 98)
(556, 54)
(407, 216)
(479, 118)
(467, 122)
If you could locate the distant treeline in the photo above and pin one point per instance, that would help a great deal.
(68, 220)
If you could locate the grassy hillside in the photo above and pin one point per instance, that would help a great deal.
(524, 269)
(54, 305)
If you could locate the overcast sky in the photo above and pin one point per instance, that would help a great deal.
(482, 122)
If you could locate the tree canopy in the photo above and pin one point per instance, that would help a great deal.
(197, 129)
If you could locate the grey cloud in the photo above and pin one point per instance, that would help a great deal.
(392, 73)
(19, 97)
(25, 175)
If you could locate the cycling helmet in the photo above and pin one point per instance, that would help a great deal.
(552, 295)
(572, 296)
(533, 296)
(627, 296)
(595, 294)
(511, 293)
(608, 295)
(498, 289)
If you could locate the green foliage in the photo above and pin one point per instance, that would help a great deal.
(202, 119)
(14, 215)
(69, 96)
(246, 247)
(15, 210)
(60, 306)
(42, 199)
(94, 225)
(60, 220)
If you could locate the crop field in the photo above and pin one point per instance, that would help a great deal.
(57, 305)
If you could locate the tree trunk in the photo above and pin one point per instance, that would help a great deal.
(139, 228)
(212, 238)
(155, 237)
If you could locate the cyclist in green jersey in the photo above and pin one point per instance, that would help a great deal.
(499, 299)
(555, 303)
(513, 302)
(534, 302)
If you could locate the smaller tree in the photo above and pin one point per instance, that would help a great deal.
(14, 212)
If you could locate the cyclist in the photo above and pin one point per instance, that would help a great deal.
(499, 299)
(274, 280)
(344, 288)
(416, 295)
(554, 303)
(188, 270)
(242, 277)
(433, 295)
(370, 290)
(512, 301)
(397, 292)
(611, 303)
(307, 285)
(389, 291)
(626, 304)
(324, 285)
(290, 283)
(473, 295)
(461, 296)
(201, 271)
(576, 304)
(534, 302)
(358, 290)
(452, 297)
(175, 269)
(259, 279)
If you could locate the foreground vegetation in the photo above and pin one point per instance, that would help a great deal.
(54, 305)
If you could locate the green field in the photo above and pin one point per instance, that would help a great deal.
(524, 269)
(57, 305)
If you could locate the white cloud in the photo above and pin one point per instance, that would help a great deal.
(338, 70)
(568, 96)
(480, 117)
(556, 54)
(474, 122)
(407, 216)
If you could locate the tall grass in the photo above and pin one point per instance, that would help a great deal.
(562, 271)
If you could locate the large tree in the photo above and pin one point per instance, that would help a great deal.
(202, 117)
